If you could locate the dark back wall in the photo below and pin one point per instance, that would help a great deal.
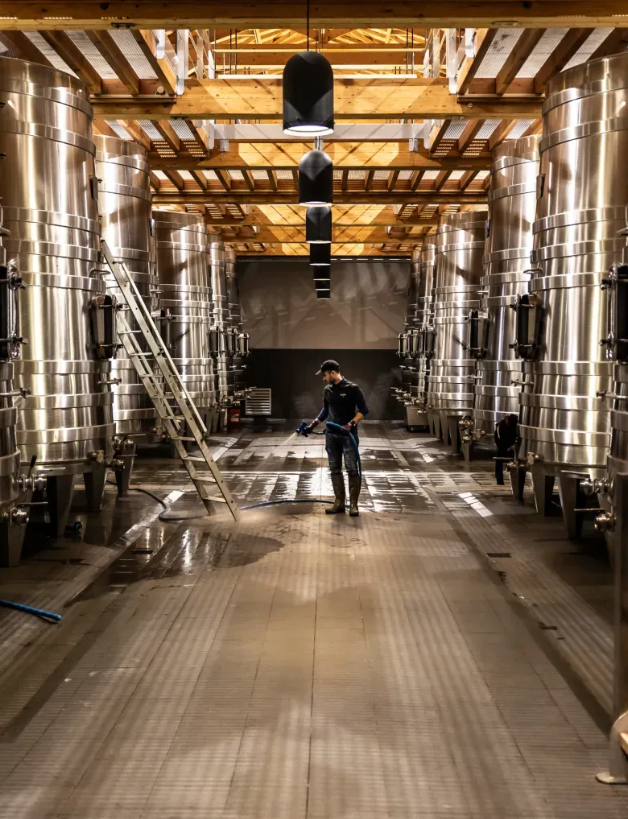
(292, 331)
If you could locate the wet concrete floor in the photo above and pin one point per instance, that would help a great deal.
(444, 655)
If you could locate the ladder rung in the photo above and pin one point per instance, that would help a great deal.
(216, 499)
(128, 332)
(195, 458)
(205, 479)
(180, 438)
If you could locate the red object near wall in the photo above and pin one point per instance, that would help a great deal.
(235, 415)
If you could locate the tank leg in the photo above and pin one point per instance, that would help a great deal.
(543, 487)
(569, 490)
(95, 487)
(60, 491)
(467, 450)
(430, 422)
(11, 541)
(454, 434)
(517, 482)
(437, 428)
(124, 470)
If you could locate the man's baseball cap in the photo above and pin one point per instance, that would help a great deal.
(329, 365)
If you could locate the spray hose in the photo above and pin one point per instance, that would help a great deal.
(303, 430)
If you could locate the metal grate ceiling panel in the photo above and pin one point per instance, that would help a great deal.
(541, 52)
(498, 52)
(126, 43)
(119, 129)
(520, 128)
(92, 54)
(51, 55)
(591, 44)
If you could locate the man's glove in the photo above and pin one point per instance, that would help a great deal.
(312, 426)
(347, 429)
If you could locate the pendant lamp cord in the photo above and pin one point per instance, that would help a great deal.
(307, 32)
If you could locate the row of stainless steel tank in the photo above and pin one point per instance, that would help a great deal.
(530, 337)
(61, 189)
(411, 350)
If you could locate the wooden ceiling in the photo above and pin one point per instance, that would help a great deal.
(419, 109)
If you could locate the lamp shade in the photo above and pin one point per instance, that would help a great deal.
(316, 179)
(320, 255)
(323, 294)
(308, 95)
(320, 274)
(318, 226)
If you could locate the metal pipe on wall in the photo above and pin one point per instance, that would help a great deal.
(582, 191)
(459, 249)
(50, 194)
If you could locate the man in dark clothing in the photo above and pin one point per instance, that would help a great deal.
(343, 404)
(505, 438)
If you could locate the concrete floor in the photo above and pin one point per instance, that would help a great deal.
(298, 666)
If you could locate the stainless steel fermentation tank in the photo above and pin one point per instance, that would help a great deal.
(413, 367)
(237, 339)
(459, 250)
(50, 194)
(185, 302)
(12, 484)
(424, 325)
(124, 203)
(222, 338)
(492, 329)
(582, 192)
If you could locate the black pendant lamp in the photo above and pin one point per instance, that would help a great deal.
(308, 93)
(318, 226)
(320, 255)
(316, 179)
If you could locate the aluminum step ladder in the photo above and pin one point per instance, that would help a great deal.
(209, 485)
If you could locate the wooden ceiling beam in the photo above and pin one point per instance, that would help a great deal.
(440, 135)
(248, 178)
(290, 197)
(392, 180)
(114, 55)
(328, 14)
(560, 56)
(616, 42)
(470, 65)
(68, 51)
(524, 46)
(200, 179)
(470, 132)
(369, 180)
(138, 134)
(170, 137)
(369, 98)
(20, 46)
(345, 156)
(176, 180)
(467, 179)
(146, 43)
(224, 179)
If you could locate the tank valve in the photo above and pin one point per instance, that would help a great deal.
(36, 482)
(98, 456)
(605, 522)
(18, 517)
(594, 486)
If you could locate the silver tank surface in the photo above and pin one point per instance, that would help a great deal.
(511, 209)
(124, 203)
(425, 318)
(50, 194)
(582, 192)
(186, 301)
(459, 250)
(11, 518)
(237, 341)
(221, 344)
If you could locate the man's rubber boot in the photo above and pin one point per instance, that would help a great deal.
(355, 485)
(338, 507)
